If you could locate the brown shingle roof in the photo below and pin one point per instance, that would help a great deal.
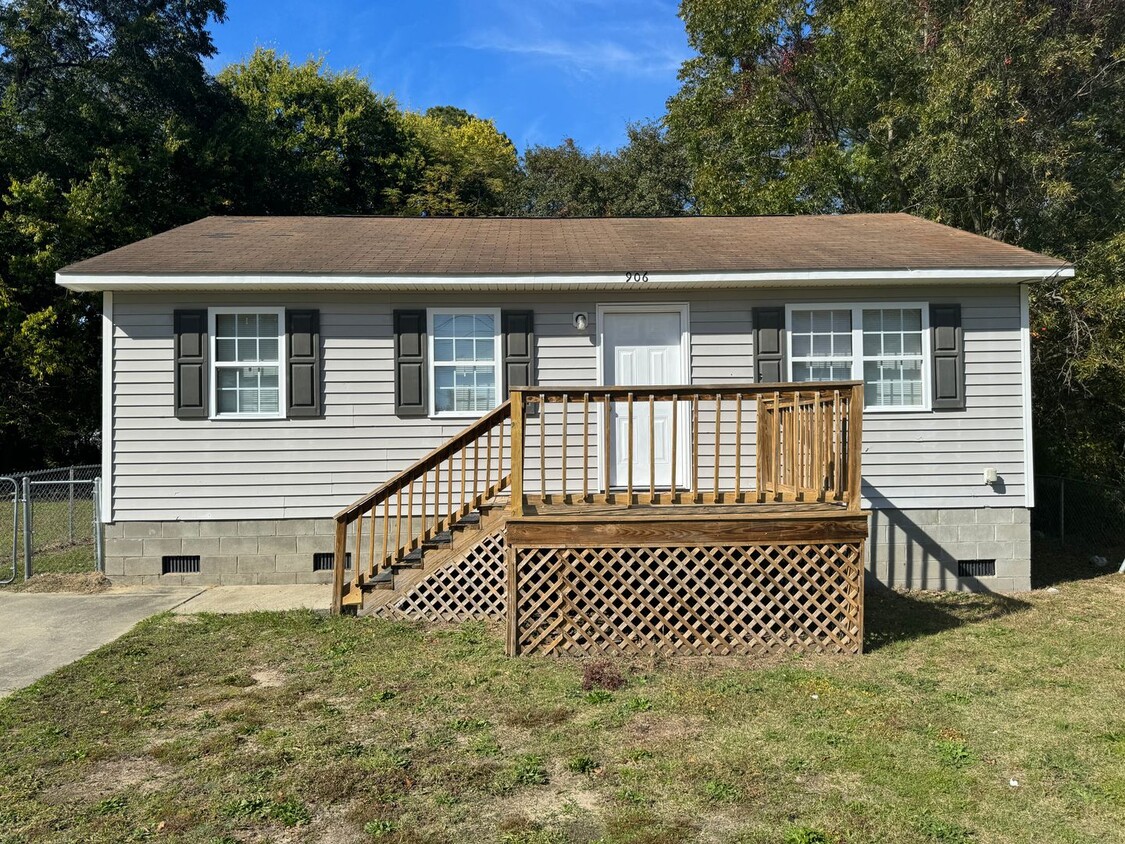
(386, 246)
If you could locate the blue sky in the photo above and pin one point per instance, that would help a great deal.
(544, 70)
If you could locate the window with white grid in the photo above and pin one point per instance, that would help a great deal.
(893, 358)
(821, 344)
(885, 346)
(465, 361)
(247, 371)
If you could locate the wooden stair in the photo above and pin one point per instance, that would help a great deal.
(387, 595)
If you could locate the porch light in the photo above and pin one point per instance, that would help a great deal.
(581, 321)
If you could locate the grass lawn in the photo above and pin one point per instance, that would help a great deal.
(972, 718)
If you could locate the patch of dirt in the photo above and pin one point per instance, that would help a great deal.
(662, 729)
(267, 678)
(135, 774)
(86, 583)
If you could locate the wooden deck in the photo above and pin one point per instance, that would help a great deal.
(761, 543)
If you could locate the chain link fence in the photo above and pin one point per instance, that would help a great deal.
(1082, 516)
(52, 525)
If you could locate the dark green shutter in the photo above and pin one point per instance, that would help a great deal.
(302, 330)
(948, 349)
(411, 392)
(769, 345)
(190, 350)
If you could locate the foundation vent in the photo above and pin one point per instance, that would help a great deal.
(183, 564)
(976, 568)
(326, 561)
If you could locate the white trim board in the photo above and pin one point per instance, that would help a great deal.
(551, 281)
(107, 407)
(1025, 373)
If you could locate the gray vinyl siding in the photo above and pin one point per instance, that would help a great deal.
(168, 469)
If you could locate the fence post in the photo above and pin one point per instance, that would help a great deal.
(1062, 511)
(99, 538)
(70, 507)
(27, 521)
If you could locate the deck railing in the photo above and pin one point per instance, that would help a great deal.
(680, 445)
(421, 501)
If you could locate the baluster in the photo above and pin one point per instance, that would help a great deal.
(718, 438)
(585, 447)
(386, 528)
(488, 459)
(358, 548)
(423, 519)
(675, 446)
(410, 513)
(370, 546)
(542, 449)
(738, 448)
(778, 475)
(818, 457)
(695, 447)
(799, 486)
(461, 492)
(605, 450)
(564, 451)
(651, 448)
(629, 464)
(476, 470)
(449, 483)
(838, 447)
(398, 521)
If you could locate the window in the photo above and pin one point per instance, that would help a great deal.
(465, 356)
(885, 346)
(246, 350)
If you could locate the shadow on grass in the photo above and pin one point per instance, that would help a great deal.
(891, 616)
(1053, 562)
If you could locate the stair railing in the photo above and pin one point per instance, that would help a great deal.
(420, 502)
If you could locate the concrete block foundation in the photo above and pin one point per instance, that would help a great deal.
(916, 549)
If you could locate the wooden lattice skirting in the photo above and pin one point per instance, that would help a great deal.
(732, 599)
(469, 587)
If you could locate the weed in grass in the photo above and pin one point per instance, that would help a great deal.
(638, 704)
(581, 765)
(485, 745)
(719, 791)
(598, 696)
(601, 674)
(110, 806)
(955, 753)
(529, 770)
(380, 828)
(263, 808)
(383, 696)
(631, 795)
(469, 725)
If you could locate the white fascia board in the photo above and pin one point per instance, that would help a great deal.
(548, 282)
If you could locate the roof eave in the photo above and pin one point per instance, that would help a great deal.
(85, 282)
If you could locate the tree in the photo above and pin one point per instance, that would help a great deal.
(1000, 117)
(649, 176)
(104, 115)
(461, 165)
(307, 140)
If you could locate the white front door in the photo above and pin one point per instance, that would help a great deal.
(644, 348)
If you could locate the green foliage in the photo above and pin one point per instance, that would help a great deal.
(1000, 117)
(310, 141)
(649, 176)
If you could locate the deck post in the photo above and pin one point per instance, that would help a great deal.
(517, 505)
(855, 447)
(338, 561)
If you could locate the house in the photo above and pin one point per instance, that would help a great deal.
(262, 374)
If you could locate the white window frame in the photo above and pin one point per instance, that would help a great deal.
(858, 357)
(431, 362)
(214, 365)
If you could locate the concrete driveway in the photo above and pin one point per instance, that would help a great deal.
(42, 632)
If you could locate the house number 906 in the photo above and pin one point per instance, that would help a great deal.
(636, 277)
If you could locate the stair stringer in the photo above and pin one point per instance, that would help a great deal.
(468, 585)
